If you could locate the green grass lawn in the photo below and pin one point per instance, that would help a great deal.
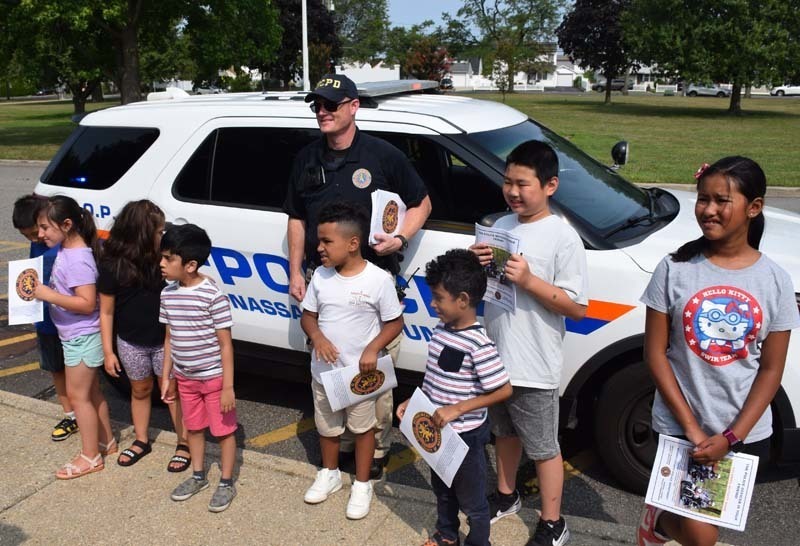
(35, 130)
(670, 137)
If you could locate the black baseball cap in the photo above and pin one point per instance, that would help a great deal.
(334, 87)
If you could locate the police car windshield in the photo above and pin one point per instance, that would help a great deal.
(588, 189)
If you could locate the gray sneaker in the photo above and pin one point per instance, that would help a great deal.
(222, 498)
(188, 488)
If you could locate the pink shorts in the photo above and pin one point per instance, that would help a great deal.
(200, 404)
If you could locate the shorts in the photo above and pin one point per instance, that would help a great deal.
(140, 362)
(531, 414)
(87, 349)
(359, 418)
(200, 404)
(51, 353)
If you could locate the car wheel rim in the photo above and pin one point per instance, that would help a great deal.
(640, 445)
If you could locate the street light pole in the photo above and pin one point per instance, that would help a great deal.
(306, 82)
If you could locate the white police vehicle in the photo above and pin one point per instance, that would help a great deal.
(223, 163)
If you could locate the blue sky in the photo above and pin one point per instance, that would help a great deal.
(410, 12)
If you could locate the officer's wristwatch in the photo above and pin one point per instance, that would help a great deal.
(403, 241)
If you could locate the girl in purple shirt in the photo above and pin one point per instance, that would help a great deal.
(73, 307)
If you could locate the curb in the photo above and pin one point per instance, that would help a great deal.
(601, 530)
(23, 162)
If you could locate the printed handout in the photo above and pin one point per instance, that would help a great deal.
(388, 213)
(718, 494)
(347, 386)
(499, 291)
(442, 448)
(23, 276)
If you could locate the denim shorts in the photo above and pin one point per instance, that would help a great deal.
(87, 349)
(51, 352)
(531, 414)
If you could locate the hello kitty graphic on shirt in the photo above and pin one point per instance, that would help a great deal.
(719, 322)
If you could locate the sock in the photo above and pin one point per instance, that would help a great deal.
(226, 482)
(509, 496)
(199, 475)
(70, 414)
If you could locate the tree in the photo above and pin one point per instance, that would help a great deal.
(362, 26)
(592, 35)
(324, 47)
(744, 42)
(513, 33)
(419, 51)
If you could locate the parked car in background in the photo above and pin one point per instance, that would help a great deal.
(787, 89)
(45, 91)
(713, 90)
(208, 90)
(617, 84)
(446, 84)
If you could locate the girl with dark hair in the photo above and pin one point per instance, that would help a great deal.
(719, 317)
(130, 286)
(72, 296)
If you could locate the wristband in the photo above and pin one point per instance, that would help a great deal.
(403, 241)
(731, 437)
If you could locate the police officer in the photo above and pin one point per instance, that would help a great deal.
(346, 164)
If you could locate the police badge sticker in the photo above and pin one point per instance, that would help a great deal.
(362, 178)
(427, 434)
(26, 284)
(367, 383)
(391, 215)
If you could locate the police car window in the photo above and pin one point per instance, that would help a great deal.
(458, 193)
(243, 166)
(95, 158)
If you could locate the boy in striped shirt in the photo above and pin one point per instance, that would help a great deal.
(198, 342)
(463, 377)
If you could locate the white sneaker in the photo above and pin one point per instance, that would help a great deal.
(327, 482)
(360, 497)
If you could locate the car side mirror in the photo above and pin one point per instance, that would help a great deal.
(619, 153)
(490, 219)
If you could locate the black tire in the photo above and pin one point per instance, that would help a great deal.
(622, 432)
(600, 88)
(691, 94)
(780, 92)
(721, 95)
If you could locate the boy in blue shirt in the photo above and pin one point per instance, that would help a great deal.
(550, 284)
(51, 355)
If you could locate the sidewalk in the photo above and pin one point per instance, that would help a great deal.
(132, 505)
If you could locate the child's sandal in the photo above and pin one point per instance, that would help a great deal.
(71, 471)
(180, 462)
(108, 449)
(133, 456)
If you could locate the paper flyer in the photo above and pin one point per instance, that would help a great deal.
(499, 291)
(23, 276)
(388, 213)
(718, 494)
(443, 449)
(347, 386)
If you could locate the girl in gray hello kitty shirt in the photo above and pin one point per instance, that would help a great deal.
(719, 317)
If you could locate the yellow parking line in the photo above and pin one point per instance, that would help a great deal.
(17, 339)
(399, 460)
(19, 369)
(283, 433)
(572, 468)
(8, 246)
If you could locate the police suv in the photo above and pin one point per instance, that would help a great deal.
(223, 162)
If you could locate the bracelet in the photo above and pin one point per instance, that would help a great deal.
(731, 437)
(403, 241)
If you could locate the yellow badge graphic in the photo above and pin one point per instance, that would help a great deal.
(367, 383)
(26, 284)
(427, 434)
(391, 213)
(362, 178)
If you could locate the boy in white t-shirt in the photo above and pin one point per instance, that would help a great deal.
(350, 313)
(549, 276)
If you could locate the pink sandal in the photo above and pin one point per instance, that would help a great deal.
(71, 470)
(108, 449)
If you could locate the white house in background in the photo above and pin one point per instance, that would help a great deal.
(361, 73)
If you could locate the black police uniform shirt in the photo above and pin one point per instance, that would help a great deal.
(321, 176)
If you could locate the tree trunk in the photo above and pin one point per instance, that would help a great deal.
(608, 93)
(97, 93)
(129, 87)
(511, 72)
(748, 91)
(736, 99)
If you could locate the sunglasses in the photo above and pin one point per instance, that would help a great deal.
(328, 105)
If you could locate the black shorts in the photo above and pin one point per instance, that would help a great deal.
(51, 353)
